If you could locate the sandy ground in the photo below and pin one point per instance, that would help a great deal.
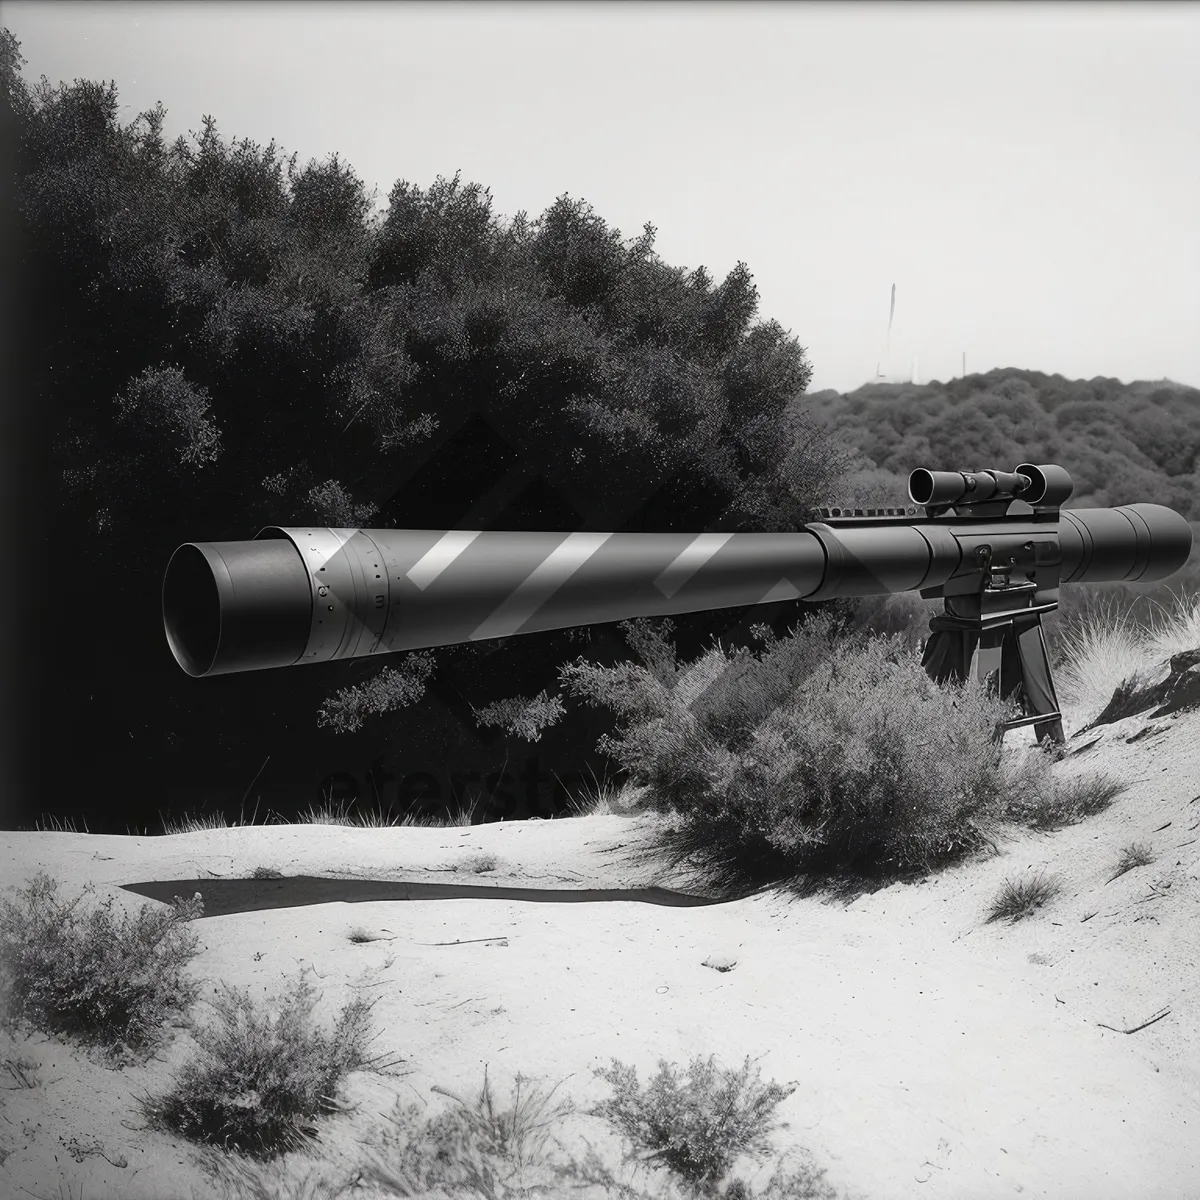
(935, 1055)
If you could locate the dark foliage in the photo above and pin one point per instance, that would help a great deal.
(227, 339)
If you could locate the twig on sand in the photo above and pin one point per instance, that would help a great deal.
(15, 1069)
(1088, 917)
(464, 941)
(1158, 1016)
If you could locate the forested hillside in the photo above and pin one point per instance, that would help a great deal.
(1122, 443)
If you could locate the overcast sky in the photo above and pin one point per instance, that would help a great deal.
(1028, 176)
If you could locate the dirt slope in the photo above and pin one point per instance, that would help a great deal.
(936, 1055)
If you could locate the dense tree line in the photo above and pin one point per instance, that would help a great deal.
(1122, 443)
(226, 339)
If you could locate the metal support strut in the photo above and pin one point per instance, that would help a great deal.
(1011, 653)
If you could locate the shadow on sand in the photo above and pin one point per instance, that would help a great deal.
(225, 896)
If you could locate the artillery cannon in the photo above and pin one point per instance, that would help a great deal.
(994, 545)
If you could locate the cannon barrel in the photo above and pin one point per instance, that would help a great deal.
(293, 596)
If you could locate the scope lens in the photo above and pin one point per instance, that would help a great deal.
(1035, 486)
(920, 486)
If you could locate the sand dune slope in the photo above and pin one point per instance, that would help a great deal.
(935, 1055)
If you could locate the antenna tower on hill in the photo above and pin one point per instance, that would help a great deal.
(888, 347)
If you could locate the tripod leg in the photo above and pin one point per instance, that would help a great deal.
(1011, 679)
(989, 660)
(1035, 676)
(947, 653)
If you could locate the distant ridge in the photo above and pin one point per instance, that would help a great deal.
(1122, 442)
(1038, 378)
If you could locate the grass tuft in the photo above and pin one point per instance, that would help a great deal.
(108, 984)
(65, 824)
(366, 818)
(479, 864)
(203, 824)
(197, 824)
(326, 816)
(603, 798)
(360, 818)
(1099, 644)
(1136, 854)
(476, 1148)
(360, 936)
(1065, 803)
(1022, 898)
